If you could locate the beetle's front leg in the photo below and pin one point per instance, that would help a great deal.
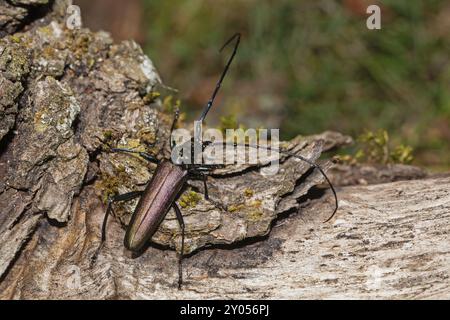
(144, 155)
(121, 197)
(199, 173)
(180, 257)
(204, 178)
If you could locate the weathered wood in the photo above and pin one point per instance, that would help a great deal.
(67, 96)
(388, 241)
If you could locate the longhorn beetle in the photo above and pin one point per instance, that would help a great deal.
(167, 184)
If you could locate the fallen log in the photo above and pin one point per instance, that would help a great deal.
(68, 96)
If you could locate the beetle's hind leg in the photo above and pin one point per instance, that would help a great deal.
(180, 256)
(121, 197)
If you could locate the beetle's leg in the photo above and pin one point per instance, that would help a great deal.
(208, 167)
(205, 177)
(121, 197)
(144, 155)
(199, 173)
(116, 198)
(194, 174)
(180, 256)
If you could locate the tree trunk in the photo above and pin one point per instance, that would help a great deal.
(69, 95)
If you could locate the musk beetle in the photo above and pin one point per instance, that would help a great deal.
(164, 188)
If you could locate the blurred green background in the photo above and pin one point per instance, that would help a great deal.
(303, 66)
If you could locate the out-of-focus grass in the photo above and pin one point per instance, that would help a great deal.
(309, 66)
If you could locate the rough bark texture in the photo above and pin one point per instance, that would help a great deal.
(387, 241)
(68, 96)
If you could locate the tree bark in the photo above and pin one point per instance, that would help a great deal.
(68, 96)
(388, 241)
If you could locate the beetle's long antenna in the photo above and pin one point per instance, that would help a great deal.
(205, 111)
(311, 163)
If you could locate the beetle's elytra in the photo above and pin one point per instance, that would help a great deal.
(155, 202)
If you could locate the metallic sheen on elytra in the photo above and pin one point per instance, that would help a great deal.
(154, 204)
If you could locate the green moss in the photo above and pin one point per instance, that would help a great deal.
(108, 185)
(80, 45)
(15, 39)
(228, 122)
(14, 60)
(48, 52)
(256, 203)
(133, 144)
(235, 207)
(248, 192)
(40, 122)
(151, 97)
(250, 210)
(169, 105)
(254, 215)
(47, 30)
(189, 199)
(402, 154)
(120, 168)
(107, 134)
(147, 136)
(90, 63)
(377, 148)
